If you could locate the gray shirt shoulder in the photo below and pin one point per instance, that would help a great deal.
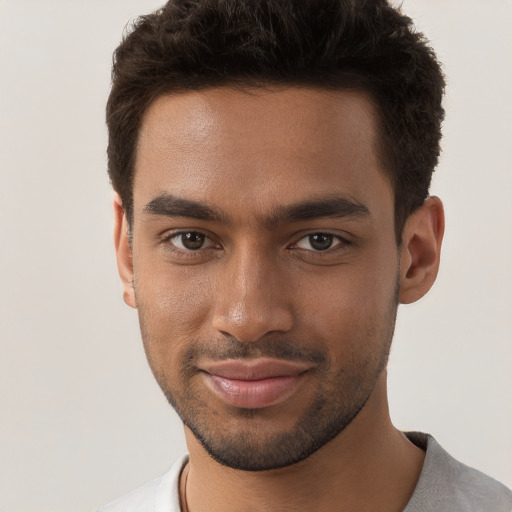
(445, 484)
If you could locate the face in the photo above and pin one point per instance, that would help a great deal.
(265, 268)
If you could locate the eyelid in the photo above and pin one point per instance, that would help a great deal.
(316, 256)
(337, 236)
(341, 242)
(167, 239)
(335, 242)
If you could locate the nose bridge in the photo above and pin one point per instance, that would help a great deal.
(251, 300)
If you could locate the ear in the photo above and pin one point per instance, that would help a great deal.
(123, 252)
(421, 250)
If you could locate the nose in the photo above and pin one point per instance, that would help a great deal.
(251, 299)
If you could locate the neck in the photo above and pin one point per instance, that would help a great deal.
(370, 466)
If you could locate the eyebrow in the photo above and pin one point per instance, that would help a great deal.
(322, 207)
(170, 206)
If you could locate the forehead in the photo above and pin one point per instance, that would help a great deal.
(258, 147)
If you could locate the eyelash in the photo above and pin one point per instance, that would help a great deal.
(341, 245)
(167, 241)
(339, 242)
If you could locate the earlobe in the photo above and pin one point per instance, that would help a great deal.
(123, 252)
(420, 250)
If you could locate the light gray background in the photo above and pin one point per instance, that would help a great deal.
(81, 419)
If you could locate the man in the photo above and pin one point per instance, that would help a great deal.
(272, 161)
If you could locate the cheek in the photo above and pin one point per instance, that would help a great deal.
(173, 307)
(353, 309)
(176, 295)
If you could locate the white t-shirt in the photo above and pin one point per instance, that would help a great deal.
(159, 495)
(445, 485)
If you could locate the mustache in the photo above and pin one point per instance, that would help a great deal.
(275, 348)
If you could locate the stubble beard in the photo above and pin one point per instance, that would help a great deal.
(337, 401)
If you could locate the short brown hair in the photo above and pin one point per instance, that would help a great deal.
(333, 44)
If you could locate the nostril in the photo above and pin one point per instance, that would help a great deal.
(252, 327)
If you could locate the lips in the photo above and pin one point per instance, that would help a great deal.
(253, 384)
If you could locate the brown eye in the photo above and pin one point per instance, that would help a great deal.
(191, 241)
(321, 241)
(318, 242)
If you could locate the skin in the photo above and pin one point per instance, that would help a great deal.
(258, 282)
